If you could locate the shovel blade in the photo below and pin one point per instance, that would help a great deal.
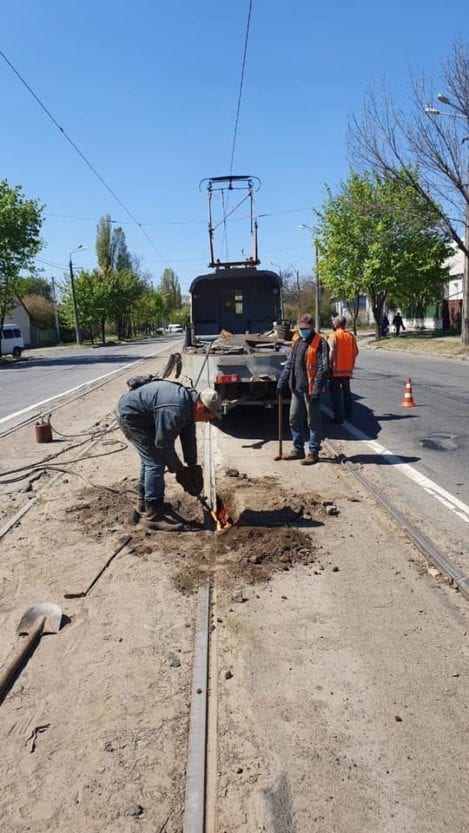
(50, 612)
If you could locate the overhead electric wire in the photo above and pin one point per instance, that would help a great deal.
(82, 156)
(128, 223)
(51, 263)
(241, 86)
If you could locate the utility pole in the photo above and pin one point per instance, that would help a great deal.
(56, 314)
(317, 287)
(317, 291)
(74, 302)
(465, 283)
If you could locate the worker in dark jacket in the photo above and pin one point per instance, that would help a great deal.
(397, 323)
(152, 417)
(305, 375)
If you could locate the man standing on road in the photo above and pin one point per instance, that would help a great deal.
(305, 375)
(342, 357)
(152, 416)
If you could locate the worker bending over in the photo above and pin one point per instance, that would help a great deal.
(342, 357)
(305, 375)
(151, 417)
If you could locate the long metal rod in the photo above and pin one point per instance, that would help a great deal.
(427, 547)
(194, 807)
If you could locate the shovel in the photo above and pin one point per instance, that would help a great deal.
(35, 622)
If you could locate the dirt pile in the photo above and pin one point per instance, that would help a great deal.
(273, 530)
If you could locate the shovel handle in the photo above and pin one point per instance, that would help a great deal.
(28, 645)
(280, 425)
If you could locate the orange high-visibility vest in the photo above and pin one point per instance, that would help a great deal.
(345, 354)
(312, 361)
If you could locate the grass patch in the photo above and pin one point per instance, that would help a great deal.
(424, 342)
(11, 359)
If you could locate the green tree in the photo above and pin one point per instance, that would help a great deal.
(93, 296)
(429, 136)
(182, 315)
(105, 244)
(125, 290)
(34, 285)
(148, 310)
(170, 290)
(111, 247)
(297, 293)
(20, 226)
(380, 238)
(117, 268)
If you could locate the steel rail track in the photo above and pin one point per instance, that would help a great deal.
(200, 792)
(430, 551)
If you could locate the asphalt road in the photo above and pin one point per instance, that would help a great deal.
(431, 439)
(50, 372)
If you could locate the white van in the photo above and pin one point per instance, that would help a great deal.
(12, 340)
(174, 328)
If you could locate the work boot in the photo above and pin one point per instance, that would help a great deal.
(141, 500)
(158, 519)
(311, 458)
(295, 454)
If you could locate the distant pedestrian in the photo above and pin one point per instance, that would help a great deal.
(397, 322)
(342, 357)
(384, 329)
(305, 376)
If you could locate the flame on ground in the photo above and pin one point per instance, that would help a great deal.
(222, 517)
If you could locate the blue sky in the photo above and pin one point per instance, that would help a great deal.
(148, 91)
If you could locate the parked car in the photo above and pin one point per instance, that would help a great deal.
(175, 328)
(12, 340)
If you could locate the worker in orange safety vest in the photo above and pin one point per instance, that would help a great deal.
(343, 352)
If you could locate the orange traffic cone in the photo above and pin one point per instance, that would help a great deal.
(408, 401)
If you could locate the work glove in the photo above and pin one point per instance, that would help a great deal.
(137, 381)
(197, 479)
(191, 479)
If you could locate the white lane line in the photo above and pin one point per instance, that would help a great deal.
(446, 498)
(78, 387)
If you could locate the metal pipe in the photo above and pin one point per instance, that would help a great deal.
(74, 302)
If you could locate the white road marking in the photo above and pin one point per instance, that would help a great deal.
(78, 387)
(429, 486)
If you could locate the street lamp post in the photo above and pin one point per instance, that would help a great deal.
(460, 114)
(317, 287)
(76, 316)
